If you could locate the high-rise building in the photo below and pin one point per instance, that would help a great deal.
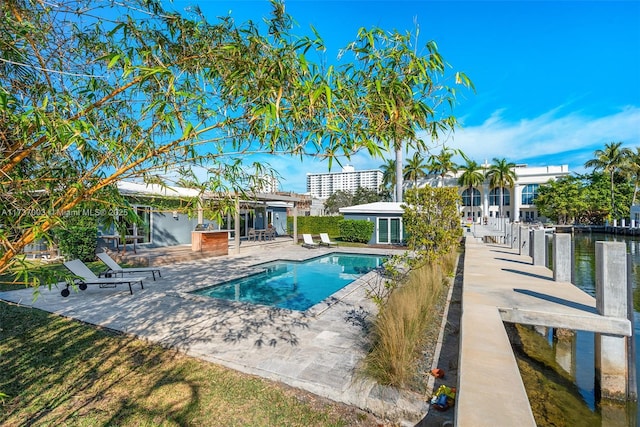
(323, 185)
(267, 184)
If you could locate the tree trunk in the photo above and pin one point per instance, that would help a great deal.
(399, 173)
(613, 206)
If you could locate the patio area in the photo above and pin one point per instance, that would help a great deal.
(319, 350)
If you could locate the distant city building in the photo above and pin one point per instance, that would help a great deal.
(518, 201)
(268, 184)
(323, 185)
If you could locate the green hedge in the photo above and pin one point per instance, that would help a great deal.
(356, 230)
(78, 239)
(316, 225)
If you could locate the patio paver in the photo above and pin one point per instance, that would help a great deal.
(319, 351)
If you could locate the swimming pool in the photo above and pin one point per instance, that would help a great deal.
(296, 285)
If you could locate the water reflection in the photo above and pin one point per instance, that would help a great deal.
(575, 351)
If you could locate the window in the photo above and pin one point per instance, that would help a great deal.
(529, 193)
(495, 197)
(141, 227)
(466, 200)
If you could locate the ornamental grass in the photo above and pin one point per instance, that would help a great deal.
(399, 332)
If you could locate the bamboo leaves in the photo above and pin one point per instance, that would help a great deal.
(152, 93)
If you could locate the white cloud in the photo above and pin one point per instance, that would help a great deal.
(551, 138)
(548, 135)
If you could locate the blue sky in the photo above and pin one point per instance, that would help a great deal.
(555, 80)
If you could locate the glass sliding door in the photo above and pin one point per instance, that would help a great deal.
(389, 231)
(383, 230)
(141, 227)
(396, 231)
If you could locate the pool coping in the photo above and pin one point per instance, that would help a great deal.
(314, 310)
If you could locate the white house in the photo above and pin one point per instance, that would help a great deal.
(517, 201)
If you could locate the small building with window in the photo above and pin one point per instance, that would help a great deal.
(386, 217)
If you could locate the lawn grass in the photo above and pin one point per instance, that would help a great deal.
(58, 371)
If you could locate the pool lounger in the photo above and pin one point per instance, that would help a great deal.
(115, 269)
(87, 277)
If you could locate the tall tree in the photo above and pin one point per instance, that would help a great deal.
(389, 176)
(360, 196)
(442, 164)
(501, 174)
(141, 93)
(402, 90)
(95, 92)
(337, 200)
(472, 176)
(415, 168)
(610, 160)
(632, 169)
(563, 200)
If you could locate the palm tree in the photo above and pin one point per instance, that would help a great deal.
(610, 160)
(441, 164)
(472, 176)
(633, 168)
(501, 174)
(415, 168)
(389, 175)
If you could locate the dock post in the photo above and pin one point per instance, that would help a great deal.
(538, 253)
(507, 234)
(612, 366)
(515, 235)
(562, 257)
(548, 251)
(524, 241)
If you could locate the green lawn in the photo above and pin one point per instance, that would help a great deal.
(57, 371)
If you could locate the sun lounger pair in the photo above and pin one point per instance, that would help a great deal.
(85, 277)
(324, 241)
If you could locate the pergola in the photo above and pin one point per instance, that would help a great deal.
(241, 199)
(255, 199)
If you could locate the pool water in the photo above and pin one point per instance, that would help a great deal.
(296, 285)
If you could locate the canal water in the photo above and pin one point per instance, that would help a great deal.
(582, 360)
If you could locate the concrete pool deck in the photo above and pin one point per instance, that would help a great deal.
(320, 350)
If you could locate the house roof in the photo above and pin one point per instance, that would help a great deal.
(135, 188)
(375, 208)
(141, 189)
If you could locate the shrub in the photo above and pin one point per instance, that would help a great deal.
(78, 238)
(317, 225)
(356, 230)
(432, 222)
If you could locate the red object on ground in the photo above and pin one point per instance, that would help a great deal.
(437, 372)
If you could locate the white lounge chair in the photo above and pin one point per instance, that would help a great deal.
(308, 241)
(87, 277)
(324, 240)
(115, 269)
